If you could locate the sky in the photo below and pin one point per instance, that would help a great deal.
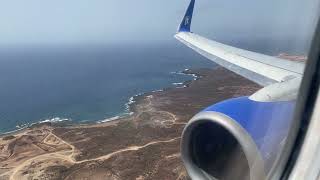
(127, 21)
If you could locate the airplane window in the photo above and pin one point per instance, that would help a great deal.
(244, 137)
(114, 90)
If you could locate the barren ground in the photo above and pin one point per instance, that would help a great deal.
(142, 146)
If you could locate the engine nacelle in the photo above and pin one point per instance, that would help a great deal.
(235, 139)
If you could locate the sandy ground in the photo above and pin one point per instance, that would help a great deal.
(142, 146)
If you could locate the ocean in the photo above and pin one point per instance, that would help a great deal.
(85, 84)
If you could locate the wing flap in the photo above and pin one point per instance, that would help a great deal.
(260, 68)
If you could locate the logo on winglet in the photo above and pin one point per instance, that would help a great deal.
(186, 20)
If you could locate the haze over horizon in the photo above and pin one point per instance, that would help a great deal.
(123, 22)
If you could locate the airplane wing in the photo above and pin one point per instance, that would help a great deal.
(262, 69)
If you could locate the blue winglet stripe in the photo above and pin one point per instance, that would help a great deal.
(186, 21)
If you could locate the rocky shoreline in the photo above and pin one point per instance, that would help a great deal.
(143, 145)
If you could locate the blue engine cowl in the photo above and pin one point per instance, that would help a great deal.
(235, 139)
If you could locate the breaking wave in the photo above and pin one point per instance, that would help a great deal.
(27, 125)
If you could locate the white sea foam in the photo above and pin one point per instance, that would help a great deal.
(53, 120)
(177, 84)
(115, 117)
(179, 73)
(26, 125)
(186, 74)
(180, 87)
(110, 119)
(195, 77)
(159, 90)
(131, 100)
(13, 131)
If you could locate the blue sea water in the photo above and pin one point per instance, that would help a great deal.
(84, 83)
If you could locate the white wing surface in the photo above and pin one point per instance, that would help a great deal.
(260, 68)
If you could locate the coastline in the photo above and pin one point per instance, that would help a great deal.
(142, 145)
(125, 114)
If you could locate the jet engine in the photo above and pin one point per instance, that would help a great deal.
(235, 139)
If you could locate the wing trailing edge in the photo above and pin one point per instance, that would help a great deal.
(260, 68)
(280, 77)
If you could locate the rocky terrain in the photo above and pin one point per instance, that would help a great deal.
(144, 145)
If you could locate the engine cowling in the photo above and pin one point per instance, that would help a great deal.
(235, 139)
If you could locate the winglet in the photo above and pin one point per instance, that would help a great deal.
(186, 21)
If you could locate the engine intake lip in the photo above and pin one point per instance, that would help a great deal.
(255, 162)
